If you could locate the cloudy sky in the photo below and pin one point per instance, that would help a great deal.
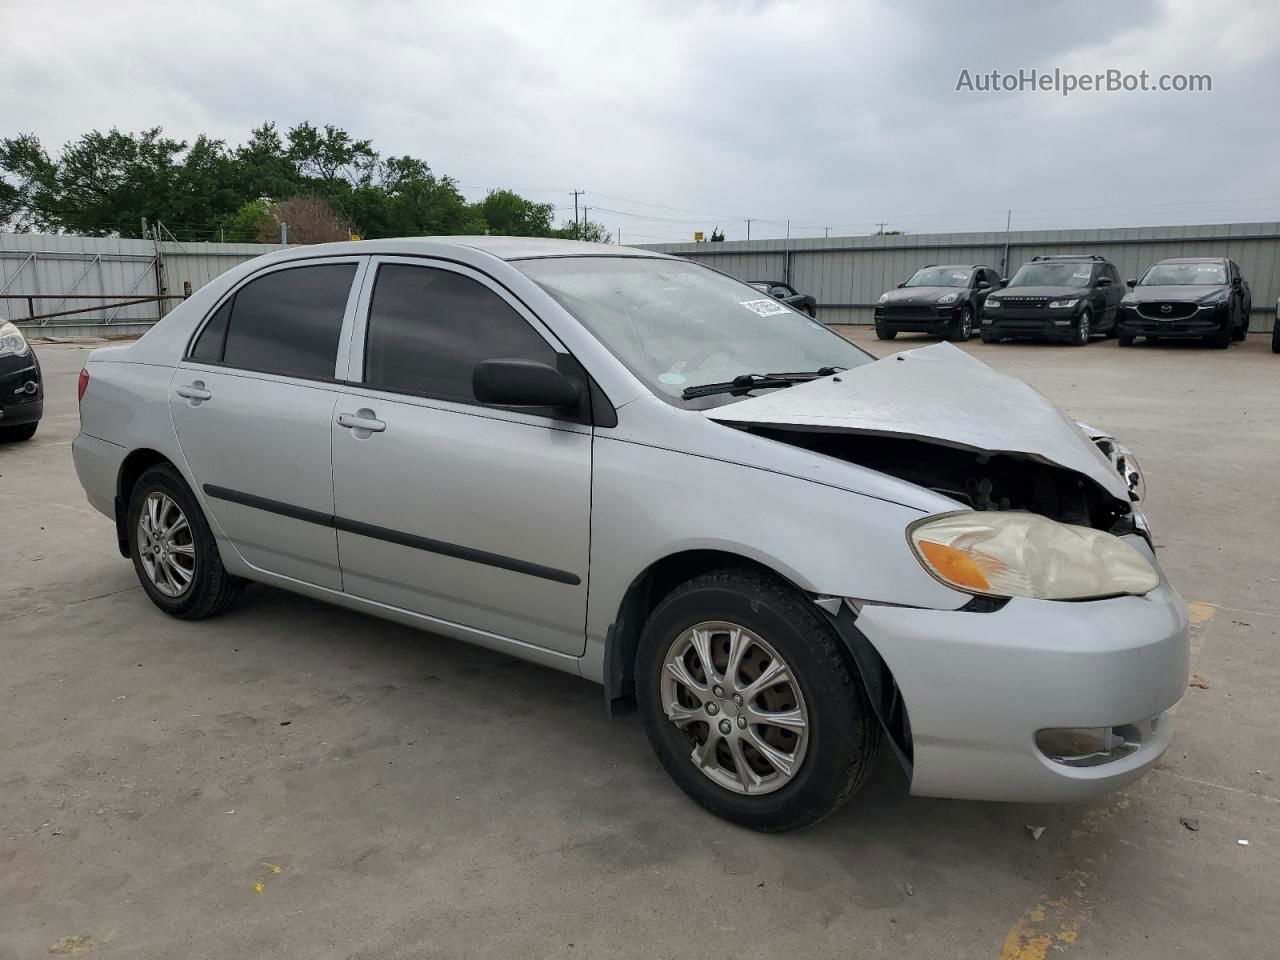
(677, 115)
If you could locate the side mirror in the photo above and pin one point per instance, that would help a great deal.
(902, 284)
(522, 383)
(1004, 282)
(1131, 283)
(1235, 282)
(984, 284)
(1103, 282)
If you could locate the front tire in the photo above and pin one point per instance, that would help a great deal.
(1084, 327)
(750, 703)
(1124, 339)
(962, 329)
(18, 434)
(885, 333)
(174, 552)
(1239, 333)
(1275, 338)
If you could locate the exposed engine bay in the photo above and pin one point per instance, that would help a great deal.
(981, 481)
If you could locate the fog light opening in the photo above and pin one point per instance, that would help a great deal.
(1088, 746)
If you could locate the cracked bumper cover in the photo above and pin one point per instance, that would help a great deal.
(978, 687)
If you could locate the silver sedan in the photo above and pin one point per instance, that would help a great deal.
(782, 551)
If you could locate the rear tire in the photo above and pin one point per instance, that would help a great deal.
(18, 434)
(180, 571)
(885, 333)
(807, 770)
(1275, 338)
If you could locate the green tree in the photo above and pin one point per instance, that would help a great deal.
(510, 214)
(587, 230)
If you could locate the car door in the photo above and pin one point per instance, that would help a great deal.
(252, 404)
(467, 513)
(1115, 292)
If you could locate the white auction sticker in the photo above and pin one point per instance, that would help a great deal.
(766, 308)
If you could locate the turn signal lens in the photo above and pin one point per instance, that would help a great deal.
(1027, 555)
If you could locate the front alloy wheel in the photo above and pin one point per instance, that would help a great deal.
(1084, 327)
(738, 702)
(751, 701)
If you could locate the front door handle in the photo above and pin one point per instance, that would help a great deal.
(361, 423)
(195, 392)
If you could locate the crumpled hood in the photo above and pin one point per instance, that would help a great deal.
(937, 393)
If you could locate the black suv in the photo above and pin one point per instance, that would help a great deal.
(1065, 298)
(943, 300)
(1188, 297)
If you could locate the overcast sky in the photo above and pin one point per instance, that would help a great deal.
(676, 116)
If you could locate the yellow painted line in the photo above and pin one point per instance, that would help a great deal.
(271, 866)
(258, 887)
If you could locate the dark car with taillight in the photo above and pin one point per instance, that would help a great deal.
(788, 294)
(21, 387)
(944, 300)
(1064, 298)
(1187, 297)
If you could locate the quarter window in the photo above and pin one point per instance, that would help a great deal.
(285, 322)
(428, 329)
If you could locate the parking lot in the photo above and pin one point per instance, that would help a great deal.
(295, 780)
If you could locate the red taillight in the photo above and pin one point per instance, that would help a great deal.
(82, 385)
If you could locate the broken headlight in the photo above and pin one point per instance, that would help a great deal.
(1026, 555)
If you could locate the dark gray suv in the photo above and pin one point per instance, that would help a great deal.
(1063, 298)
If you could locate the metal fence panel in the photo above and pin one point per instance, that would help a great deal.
(848, 274)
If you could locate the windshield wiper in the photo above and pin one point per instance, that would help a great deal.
(746, 382)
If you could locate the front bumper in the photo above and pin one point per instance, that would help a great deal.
(979, 686)
(19, 402)
(1042, 324)
(919, 319)
(1203, 323)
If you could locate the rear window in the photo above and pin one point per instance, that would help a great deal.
(285, 322)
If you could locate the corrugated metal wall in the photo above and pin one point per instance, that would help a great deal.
(848, 274)
(33, 263)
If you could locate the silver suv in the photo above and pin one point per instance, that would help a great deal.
(622, 465)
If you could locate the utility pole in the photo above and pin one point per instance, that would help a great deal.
(826, 233)
(880, 227)
(619, 236)
(788, 228)
(284, 234)
(748, 229)
(576, 194)
(585, 211)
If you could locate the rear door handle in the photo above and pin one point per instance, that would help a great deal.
(194, 392)
(362, 422)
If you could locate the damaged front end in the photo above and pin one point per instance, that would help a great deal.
(938, 418)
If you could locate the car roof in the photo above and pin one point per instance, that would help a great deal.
(952, 266)
(784, 283)
(504, 248)
(1193, 260)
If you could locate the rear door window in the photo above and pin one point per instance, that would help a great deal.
(286, 322)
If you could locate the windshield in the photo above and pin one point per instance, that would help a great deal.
(1178, 274)
(676, 324)
(940, 277)
(1052, 275)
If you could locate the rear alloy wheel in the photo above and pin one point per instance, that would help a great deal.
(750, 702)
(1084, 327)
(173, 550)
